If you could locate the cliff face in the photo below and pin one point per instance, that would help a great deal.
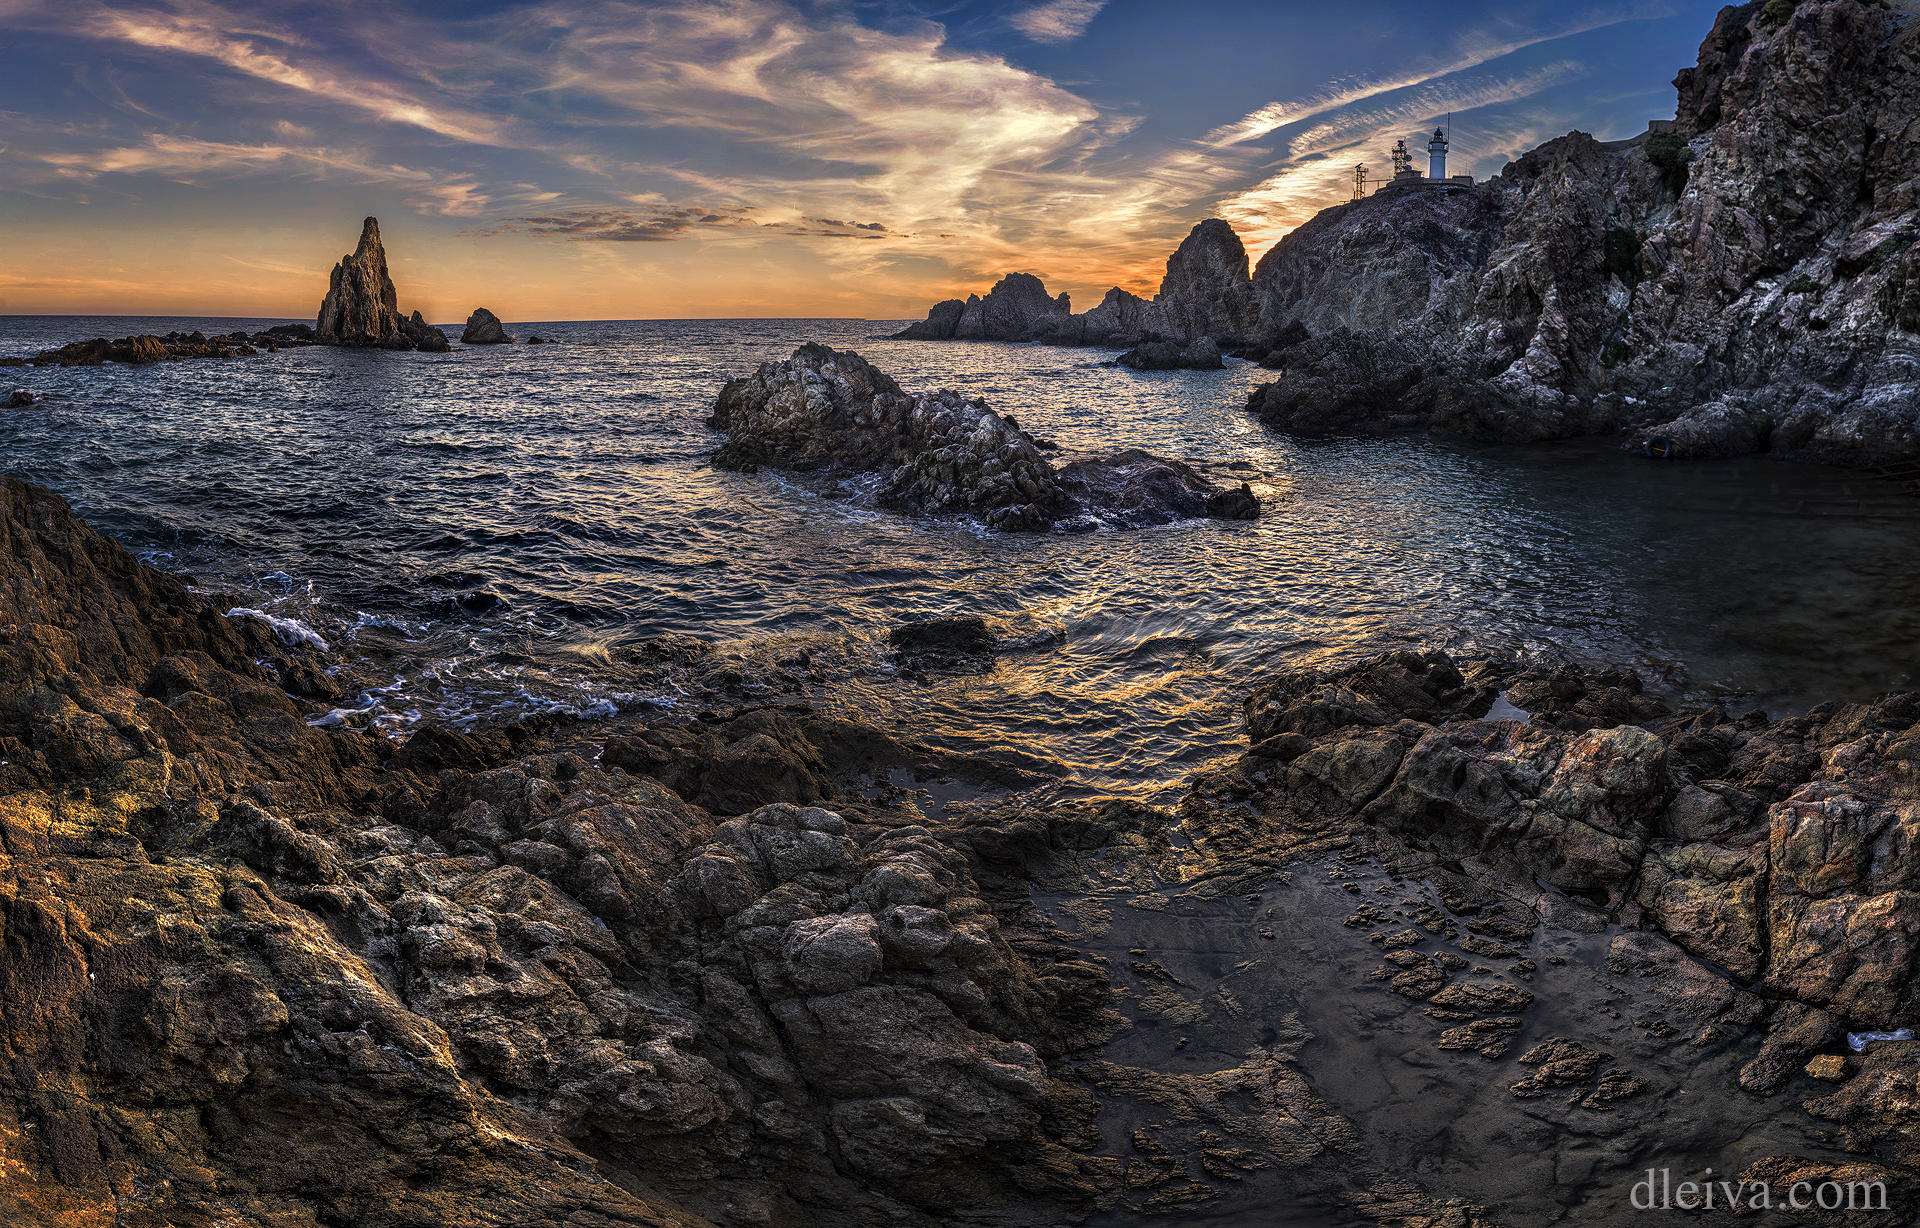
(361, 307)
(1747, 281)
(1741, 285)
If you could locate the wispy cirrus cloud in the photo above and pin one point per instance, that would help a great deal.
(1476, 49)
(667, 132)
(1058, 21)
(215, 34)
(199, 162)
(664, 224)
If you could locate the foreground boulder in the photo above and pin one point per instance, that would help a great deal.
(941, 453)
(361, 308)
(484, 328)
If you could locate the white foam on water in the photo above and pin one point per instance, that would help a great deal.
(291, 631)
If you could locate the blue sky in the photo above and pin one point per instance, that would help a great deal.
(594, 159)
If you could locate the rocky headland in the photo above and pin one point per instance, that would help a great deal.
(362, 308)
(939, 453)
(1742, 282)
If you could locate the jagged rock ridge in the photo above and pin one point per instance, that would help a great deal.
(1206, 293)
(361, 307)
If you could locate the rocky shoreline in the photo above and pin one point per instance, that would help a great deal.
(758, 964)
(1740, 280)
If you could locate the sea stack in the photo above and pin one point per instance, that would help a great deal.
(484, 328)
(361, 308)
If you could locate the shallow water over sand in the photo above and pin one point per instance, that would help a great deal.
(509, 518)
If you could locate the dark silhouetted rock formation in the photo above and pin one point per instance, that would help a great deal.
(942, 453)
(1201, 355)
(484, 328)
(1016, 309)
(361, 308)
(1206, 293)
(147, 348)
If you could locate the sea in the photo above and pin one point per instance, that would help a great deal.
(504, 523)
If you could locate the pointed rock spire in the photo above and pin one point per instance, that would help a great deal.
(361, 308)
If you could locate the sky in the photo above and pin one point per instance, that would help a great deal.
(606, 159)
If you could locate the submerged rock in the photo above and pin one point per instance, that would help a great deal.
(942, 453)
(361, 306)
(484, 328)
(944, 641)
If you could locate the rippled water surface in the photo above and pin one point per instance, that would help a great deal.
(521, 513)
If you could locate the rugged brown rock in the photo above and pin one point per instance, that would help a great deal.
(691, 972)
(941, 453)
(361, 307)
(484, 328)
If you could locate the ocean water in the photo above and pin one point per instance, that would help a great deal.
(504, 521)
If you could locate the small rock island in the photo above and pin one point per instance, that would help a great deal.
(362, 308)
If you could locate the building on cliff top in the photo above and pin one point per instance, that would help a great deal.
(1404, 174)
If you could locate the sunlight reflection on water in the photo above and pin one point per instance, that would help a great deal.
(521, 512)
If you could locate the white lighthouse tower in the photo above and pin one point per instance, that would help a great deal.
(1437, 155)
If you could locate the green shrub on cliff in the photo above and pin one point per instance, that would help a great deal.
(1671, 155)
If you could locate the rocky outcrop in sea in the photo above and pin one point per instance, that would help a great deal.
(147, 348)
(941, 453)
(1206, 293)
(484, 328)
(361, 307)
